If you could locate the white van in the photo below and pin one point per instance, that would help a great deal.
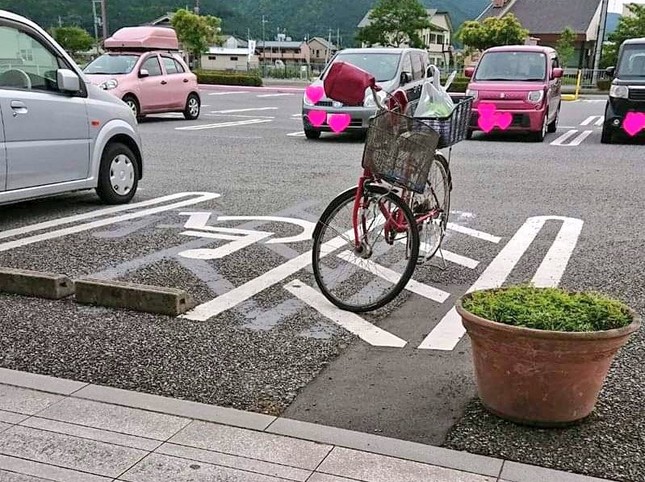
(58, 132)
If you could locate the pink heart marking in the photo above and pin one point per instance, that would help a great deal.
(314, 93)
(503, 120)
(486, 120)
(634, 122)
(339, 122)
(317, 117)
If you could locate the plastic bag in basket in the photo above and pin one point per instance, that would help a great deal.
(434, 100)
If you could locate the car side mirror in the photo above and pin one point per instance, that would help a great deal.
(557, 73)
(610, 71)
(406, 78)
(68, 81)
(469, 72)
(144, 73)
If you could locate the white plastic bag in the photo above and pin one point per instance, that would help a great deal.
(434, 100)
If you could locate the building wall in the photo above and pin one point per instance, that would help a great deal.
(229, 62)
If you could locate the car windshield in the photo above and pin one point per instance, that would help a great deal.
(512, 66)
(632, 62)
(382, 66)
(112, 64)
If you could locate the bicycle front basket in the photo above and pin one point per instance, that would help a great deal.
(399, 149)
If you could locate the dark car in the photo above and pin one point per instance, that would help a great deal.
(625, 110)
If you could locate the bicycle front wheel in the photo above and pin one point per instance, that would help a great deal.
(367, 277)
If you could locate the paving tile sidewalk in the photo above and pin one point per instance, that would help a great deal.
(62, 430)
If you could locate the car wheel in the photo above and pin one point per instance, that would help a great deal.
(469, 134)
(539, 136)
(118, 174)
(133, 104)
(607, 136)
(312, 134)
(193, 107)
(553, 126)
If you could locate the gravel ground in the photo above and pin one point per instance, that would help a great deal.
(218, 363)
(611, 442)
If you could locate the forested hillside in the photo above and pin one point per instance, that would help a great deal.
(300, 18)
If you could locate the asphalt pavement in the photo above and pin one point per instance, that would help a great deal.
(262, 348)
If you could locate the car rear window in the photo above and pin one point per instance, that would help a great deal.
(512, 66)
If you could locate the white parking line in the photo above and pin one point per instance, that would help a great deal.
(296, 134)
(275, 95)
(393, 277)
(474, 233)
(578, 140)
(450, 330)
(223, 124)
(202, 197)
(560, 141)
(351, 322)
(233, 111)
(596, 119)
(242, 116)
(226, 93)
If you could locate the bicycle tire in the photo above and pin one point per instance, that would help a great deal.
(346, 199)
(441, 164)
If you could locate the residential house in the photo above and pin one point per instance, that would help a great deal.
(283, 51)
(437, 39)
(546, 19)
(232, 42)
(321, 50)
(230, 59)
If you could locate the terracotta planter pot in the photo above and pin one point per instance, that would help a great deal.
(538, 377)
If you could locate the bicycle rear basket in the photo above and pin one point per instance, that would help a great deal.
(399, 149)
(453, 128)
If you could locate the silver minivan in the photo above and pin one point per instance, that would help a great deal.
(58, 132)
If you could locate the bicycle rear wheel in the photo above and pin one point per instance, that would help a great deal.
(435, 203)
(367, 278)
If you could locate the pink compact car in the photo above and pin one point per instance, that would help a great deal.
(516, 88)
(142, 67)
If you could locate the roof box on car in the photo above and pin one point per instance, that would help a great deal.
(143, 38)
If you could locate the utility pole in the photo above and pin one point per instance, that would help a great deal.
(601, 38)
(328, 47)
(96, 26)
(264, 44)
(104, 18)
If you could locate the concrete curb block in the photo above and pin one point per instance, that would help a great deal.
(146, 298)
(35, 283)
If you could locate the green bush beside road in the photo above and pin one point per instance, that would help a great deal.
(226, 78)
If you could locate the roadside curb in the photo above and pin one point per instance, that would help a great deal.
(500, 469)
(109, 293)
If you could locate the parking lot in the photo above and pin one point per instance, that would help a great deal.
(225, 211)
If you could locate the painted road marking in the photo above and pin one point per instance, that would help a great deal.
(233, 111)
(296, 134)
(275, 95)
(350, 321)
(242, 116)
(596, 119)
(393, 277)
(223, 124)
(226, 93)
(453, 257)
(201, 197)
(474, 233)
(560, 141)
(237, 242)
(450, 330)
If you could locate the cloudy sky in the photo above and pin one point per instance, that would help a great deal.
(617, 5)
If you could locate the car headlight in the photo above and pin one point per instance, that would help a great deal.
(471, 93)
(619, 91)
(306, 100)
(369, 98)
(536, 96)
(109, 84)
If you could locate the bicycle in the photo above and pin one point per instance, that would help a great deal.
(402, 195)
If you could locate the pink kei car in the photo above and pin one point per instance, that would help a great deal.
(516, 88)
(142, 67)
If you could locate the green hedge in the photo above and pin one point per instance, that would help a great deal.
(604, 84)
(228, 78)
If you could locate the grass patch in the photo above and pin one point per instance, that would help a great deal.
(551, 309)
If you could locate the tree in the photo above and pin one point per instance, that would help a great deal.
(629, 26)
(73, 39)
(196, 32)
(394, 23)
(566, 46)
(492, 32)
